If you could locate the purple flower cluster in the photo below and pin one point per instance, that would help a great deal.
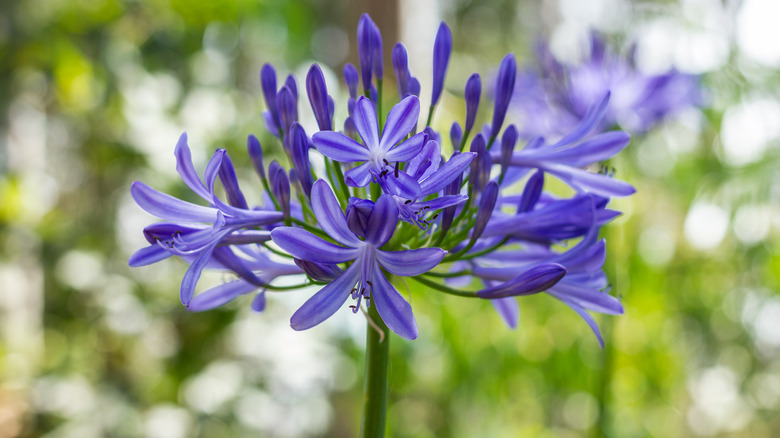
(394, 200)
(553, 96)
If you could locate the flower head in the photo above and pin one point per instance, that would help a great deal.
(367, 260)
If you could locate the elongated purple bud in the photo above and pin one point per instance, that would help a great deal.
(473, 92)
(477, 179)
(378, 66)
(331, 109)
(452, 188)
(350, 129)
(351, 79)
(442, 48)
(227, 174)
(295, 180)
(401, 68)
(268, 84)
(280, 185)
(487, 202)
(505, 86)
(535, 280)
(365, 43)
(319, 271)
(256, 154)
(532, 192)
(414, 87)
(508, 143)
(293, 86)
(318, 97)
(288, 110)
(299, 147)
(456, 136)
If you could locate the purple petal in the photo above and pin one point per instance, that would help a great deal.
(410, 262)
(329, 215)
(191, 277)
(319, 271)
(590, 299)
(392, 307)
(597, 148)
(595, 183)
(169, 208)
(400, 121)
(590, 121)
(212, 170)
(447, 173)
(359, 176)
(306, 246)
(186, 170)
(339, 147)
(227, 174)
(535, 280)
(148, 255)
(441, 202)
(408, 149)
(403, 185)
(366, 122)
(588, 319)
(327, 301)
(508, 309)
(220, 295)
(382, 222)
(258, 303)
(419, 164)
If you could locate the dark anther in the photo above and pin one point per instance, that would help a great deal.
(369, 283)
(385, 161)
(396, 169)
(408, 201)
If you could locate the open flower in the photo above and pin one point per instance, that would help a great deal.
(367, 262)
(377, 152)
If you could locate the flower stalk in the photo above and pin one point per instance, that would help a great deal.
(375, 391)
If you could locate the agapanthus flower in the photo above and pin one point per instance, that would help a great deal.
(377, 152)
(389, 203)
(367, 262)
(555, 95)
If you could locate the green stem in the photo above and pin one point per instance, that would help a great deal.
(375, 394)
(445, 289)
(430, 115)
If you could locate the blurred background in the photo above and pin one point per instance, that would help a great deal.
(94, 94)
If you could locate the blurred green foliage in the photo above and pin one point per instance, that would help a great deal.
(93, 95)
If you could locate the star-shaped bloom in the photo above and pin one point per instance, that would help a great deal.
(367, 259)
(377, 152)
